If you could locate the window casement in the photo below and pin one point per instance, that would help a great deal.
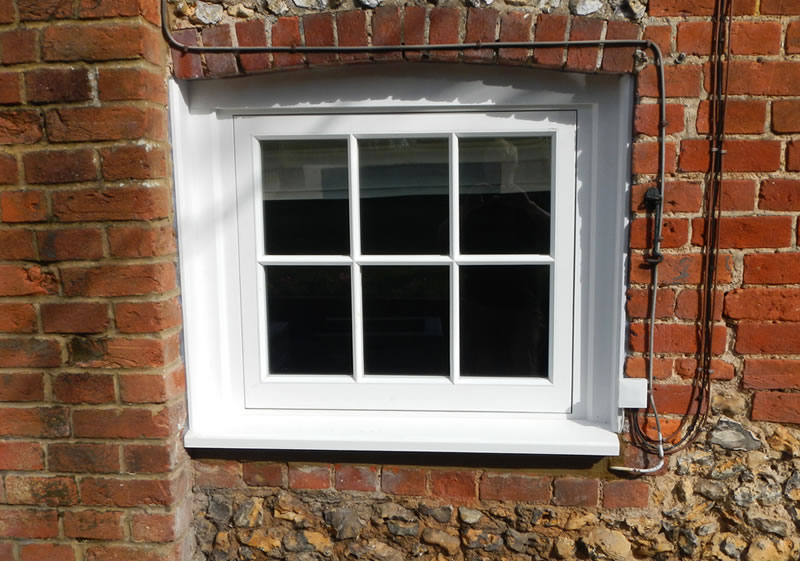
(426, 263)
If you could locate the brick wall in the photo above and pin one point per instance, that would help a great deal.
(91, 464)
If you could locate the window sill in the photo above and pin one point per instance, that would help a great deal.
(406, 432)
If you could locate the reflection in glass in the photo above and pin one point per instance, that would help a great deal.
(404, 195)
(504, 194)
(505, 320)
(406, 320)
(308, 317)
(305, 186)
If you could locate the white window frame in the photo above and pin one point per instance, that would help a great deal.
(232, 403)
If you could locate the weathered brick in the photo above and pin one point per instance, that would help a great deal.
(454, 484)
(21, 386)
(697, 7)
(661, 35)
(638, 304)
(647, 118)
(219, 64)
(131, 553)
(147, 317)
(619, 59)
(23, 206)
(60, 166)
(74, 317)
(687, 305)
(779, 194)
(84, 388)
(754, 337)
(550, 27)
(10, 91)
(119, 203)
(674, 233)
(82, 124)
(28, 523)
(786, 116)
(8, 169)
(742, 155)
(147, 458)
(676, 399)
(481, 25)
(141, 241)
(29, 353)
(123, 353)
(792, 38)
(749, 231)
(93, 525)
(21, 456)
(70, 244)
(680, 81)
(318, 31)
(118, 280)
(286, 33)
(679, 196)
(18, 46)
(793, 156)
(24, 281)
(40, 10)
(584, 29)
(444, 29)
(694, 37)
(309, 476)
(738, 194)
(742, 116)
(625, 494)
(771, 374)
(46, 552)
(776, 407)
(779, 77)
(160, 528)
(123, 84)
(35, 490)
(109, 491)
(186, 65)
(124, 422)
(20, 126)
(572, 491)
(645, 157)
(16, 318)
(355, 478)
(674, 338)
(55, 85)
(264, 474)
(351, 30)
(386, 30)
(687, 368)
(211, 474)
(253, 34)
(403, 481)
(151, 388)
(780, 7)
(772, 268)
(83, 457)
(515, 27)
(100, 42)
(756, 37)
(515, 487)
(120, 8)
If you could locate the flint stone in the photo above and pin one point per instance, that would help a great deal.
(713, 490)
(687, 541)
(277, 7)
(399, 528)
(743, 497)
(733, 546)
(208, 14)
(220, 512)
(763, 549)
(240, 11)
(384, 552)
(311, 4)
(777, 527)
(441, 514)
(732, 436)
(637, 8)
(517, 541)
(393, 511)
(451, 544)
(585, 7)
(478, 539)
(564, 548)
(782, 440)
(249, 514)
(468, 515)
(345, 521)
(792, 487)
(261, 539)
(612, 543)
(296, 542)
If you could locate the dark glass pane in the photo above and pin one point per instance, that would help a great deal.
(404, 196)
(505, 320)
(305, 197)
(406, 320)
(309, 320)
(504, 195)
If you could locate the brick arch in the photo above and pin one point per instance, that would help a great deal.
(410, 25)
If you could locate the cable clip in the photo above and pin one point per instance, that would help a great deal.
(721, 151)
(654, 258)
(652, 198)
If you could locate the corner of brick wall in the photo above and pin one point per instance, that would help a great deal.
(91, 380)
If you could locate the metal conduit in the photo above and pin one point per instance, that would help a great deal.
(655, 257)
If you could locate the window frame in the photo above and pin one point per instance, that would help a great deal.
(202, 117)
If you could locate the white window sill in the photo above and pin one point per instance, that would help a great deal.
(407, 433)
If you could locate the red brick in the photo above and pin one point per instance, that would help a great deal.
(645, 157)
(687, 306)
(515, 27)
(264, 474)
(779, 304)
(120, 8)
(151, 388)
(46, 552)
(83, 457)
(134, 241)
(318, 31)
(355, 478)
(69, 244)
(16, 244)
(16, 318)
(20, 126)
(481, 25)
(309, 477)
(414, 18)
(286, 33)
(101, 42)
(23, 206)
(147, 458)
(23, 281)
(780, 7)
(18, 46)
(403, 481)
(128, 492)
(186, 65)
(749, 231)
(697, 7)
(29, 353)
(636, 367)
(675, 399)
(625, 494)
(779, 194)
(252, 34)
(84, 388)
(133, 162)
(33, 490)
(678, 269)
(118, 280)
(351, 29)
(647, 117)
(93, 525)
(674, 233)
(639, 303)
(550, 28)
(679, 196)
(219, 64)
(10, 88)
(27, 523)
(776, 407)
(619, 59)
(513, 487)
(74, 317)
(687, 368)
(742, 116)
(771, 374)
(793, 156)
(131, 553)
(772, 268)
(661, 35)
(224, 474)
(40, 10)
(792, 38)
(122, 84)
(786, 116)
(680, 81)
(123, 353)
(570, 491)
(756, 37)
(674, 338)
(120, 203)
(57, 85)
(82, 124)
(742, 155)
(124, 422)
(766, 338)
(21, 456)
(694, 37)
(781, 77)
(60, 166)
(160, 528)
(386, 30)
(6, 548)
(147, 317)
(8, 169)
(451, 484)
(738, 194)
(584, 29)
(22, 386)
(444, 29)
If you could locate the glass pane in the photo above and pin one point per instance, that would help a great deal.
(504, 194)
(309, 320)
(406, 320)
(505, 320)
(305, 185)
(404, 196)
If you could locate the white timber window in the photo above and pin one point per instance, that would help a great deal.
(413, 258)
